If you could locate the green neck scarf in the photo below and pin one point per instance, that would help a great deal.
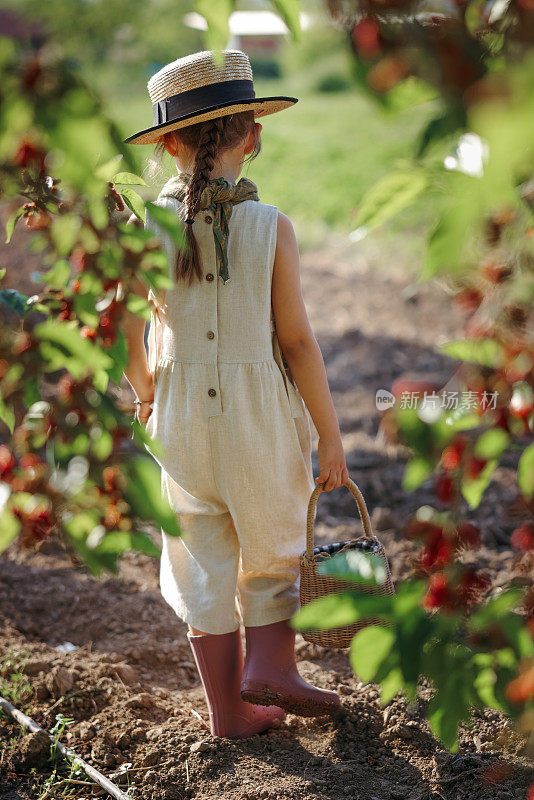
(219, 196)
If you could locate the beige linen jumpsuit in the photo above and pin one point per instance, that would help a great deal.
(236, 467)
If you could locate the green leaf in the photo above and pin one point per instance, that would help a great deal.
(478, 351)
(168, 221)
(102, 444)
(144, 495)
(134, 202)
(62, 345)
(446, 710)
(84, 305)
(416, 472)
(441, 127)
(327, 612)
(484, 685)
(218, 32)
(342, 608)
(519, 636)
(525, 472)
(447, 241)
(496, 609)
(107, 170)
(32, 392)
(9, 528)
(128, 179)
(474, 488)
(355, 566)
(64, 230)
(475, 16)
(77, 527)
(11, 222)
(369, 648)
(289, 10)
(100, 380)
(389, 196)
(138, 305)
(119, 353)
(58, 276)
(119, 541)
(391, 684)
(407, 599)
(7, 415)
(491, 443)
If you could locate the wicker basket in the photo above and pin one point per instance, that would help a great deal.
(313, 585)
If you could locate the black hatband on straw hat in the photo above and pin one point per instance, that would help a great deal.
(194, 89)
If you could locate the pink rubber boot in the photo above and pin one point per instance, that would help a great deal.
(270, 675)
(219, 659)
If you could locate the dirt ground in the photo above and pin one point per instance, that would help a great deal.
(129, 681)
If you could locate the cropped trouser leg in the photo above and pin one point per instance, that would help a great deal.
(198, 572)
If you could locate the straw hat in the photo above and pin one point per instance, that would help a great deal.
(194, 89)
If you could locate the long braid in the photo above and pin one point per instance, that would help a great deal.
(188, 261)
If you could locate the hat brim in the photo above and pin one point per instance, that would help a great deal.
(262, 106)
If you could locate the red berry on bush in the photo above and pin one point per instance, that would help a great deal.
(7, 461)
(88, 333)
(521, 689)
(438, 593)
(65, 387)
(444, 488)
(523, 537)
(29, 460)
(452, 455)
(41, 522)
(79, 259)
(366, 38)
(437, 550)
(501, 419)
(494, 271)
(471, 586)
(37, 220)
(468, 534)
(468, 300)
(22, 343)
(110, 479)
(29, 156)
(32, 71)
(475, 466)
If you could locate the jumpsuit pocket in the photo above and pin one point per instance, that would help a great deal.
(295, 400)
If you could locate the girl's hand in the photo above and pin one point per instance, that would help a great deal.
(332, 463)
(143, 413)
(143, 410)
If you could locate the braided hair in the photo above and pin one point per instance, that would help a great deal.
(188, 261)
(209, 138)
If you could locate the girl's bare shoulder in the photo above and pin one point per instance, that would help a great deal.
(285, 232)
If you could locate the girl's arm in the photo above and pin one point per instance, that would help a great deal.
(304, 356)
(136, 370)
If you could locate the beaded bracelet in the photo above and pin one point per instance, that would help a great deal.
(140, 402)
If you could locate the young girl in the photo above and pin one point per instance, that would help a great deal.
(215, 391)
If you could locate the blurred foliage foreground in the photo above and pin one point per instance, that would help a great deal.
(75, 462)
(68, 464)
(475, 164)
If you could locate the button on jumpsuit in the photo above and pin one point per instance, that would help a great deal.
(236, 466)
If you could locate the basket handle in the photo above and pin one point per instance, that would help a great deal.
(362, 509)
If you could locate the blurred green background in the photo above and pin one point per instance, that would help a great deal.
(318, 157)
